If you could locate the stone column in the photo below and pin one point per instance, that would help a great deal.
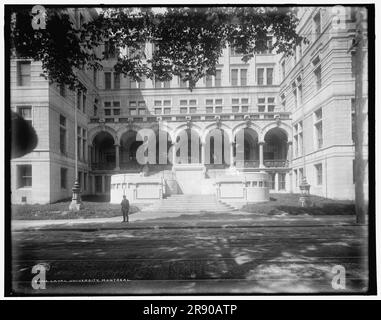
(276, 182)
(289, 152)
(202, 153)
(261, 143)
(173, 153)
(117, 166)
(232, 155)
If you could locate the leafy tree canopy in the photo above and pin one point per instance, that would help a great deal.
(188, 40)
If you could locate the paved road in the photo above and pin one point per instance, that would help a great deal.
(180, 258)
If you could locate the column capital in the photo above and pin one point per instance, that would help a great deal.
(289, 142)
(261, 142)
(116, 145)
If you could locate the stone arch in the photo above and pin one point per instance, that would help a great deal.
(123, 129)
(94, 131)
(244, 125)
(184, 126)
(246, 146)
(217, 146)
(213, 126)
(187, 144)
(282, 126)
(103, 151)
(166, 128)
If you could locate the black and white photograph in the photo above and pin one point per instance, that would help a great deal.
(189, 150)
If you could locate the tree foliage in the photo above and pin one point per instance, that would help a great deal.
(188, 40)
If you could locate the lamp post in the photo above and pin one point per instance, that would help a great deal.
(304, 199)
(76, 203)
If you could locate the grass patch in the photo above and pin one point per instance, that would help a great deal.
(60, 210)
(289, 203)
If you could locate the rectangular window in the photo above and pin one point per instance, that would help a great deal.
(183, 102)
(62, 90)
(319, 174)
(243, 77)
(158, 84)
(132, 83)
(208, 81)
(217, 79)
(110, 50)
(192, 102)
(84, 103)
(26, 113)
(183, 84)
(281, 181)
(116, 112)
(319, 128)
(244, 108)
(269, 73)
(353, 119)
(317, 24)
(300, 94)
(116, 80)
(209, 109)
(107, 112)
(157, 103)
(183, 110)
(235, 109)
(62, 134)
(283, 70)
(98, 184)
(79, 99)
(167, 102)
(63, 178)
(157, 110)
(319, 135)
(84, 181)
(317, 73)
(234, 79)
(218, 110)
(233, 51)
(192, 110)
(301, 175)
(167, 84)
(107, 80)
(23, 73)
(142, 111)
(142, 83)
(167, 110)
(24, 176)
(260, 73)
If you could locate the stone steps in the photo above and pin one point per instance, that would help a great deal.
(189, 204)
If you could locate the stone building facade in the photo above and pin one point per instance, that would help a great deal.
(293, 115)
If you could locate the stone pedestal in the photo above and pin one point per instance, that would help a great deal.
(76, 203)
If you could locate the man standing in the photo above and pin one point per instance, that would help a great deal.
(125, 208)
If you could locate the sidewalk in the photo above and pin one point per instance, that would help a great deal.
(188, 220)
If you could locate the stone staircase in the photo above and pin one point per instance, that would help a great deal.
(188, 204)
